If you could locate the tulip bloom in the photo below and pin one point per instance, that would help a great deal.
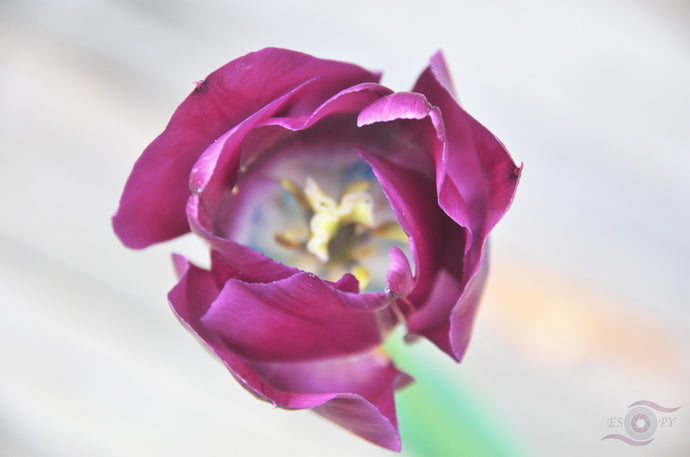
(334, 208)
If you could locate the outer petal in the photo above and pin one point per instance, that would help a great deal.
(152, 205)
(474, 168)
(474, 164)
(236, 261)
(355, 392)
(220, 162)
(368, 409)
(447, 224)
(297, 318)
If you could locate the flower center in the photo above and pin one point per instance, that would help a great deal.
(318, 209)
(340, 233)
(355, 207)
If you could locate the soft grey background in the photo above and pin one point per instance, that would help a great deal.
(587, 310)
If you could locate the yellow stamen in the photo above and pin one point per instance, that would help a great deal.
(287, 240)
(392, 231)
(355, 187)
(296, 192)
(362, 275)
(329, 216)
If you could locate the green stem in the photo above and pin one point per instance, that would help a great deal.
(441, 414)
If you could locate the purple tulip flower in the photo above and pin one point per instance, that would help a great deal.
(334, 208)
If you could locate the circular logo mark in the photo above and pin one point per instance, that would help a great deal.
(640, 423)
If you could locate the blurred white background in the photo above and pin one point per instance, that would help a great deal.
(587, 308)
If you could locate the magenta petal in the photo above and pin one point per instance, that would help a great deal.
(351, 100)
(354, 391)
(399, 105)
(297, 318)
(348, 283)
(475, 164)
(371, 421)
(193, 294)
(441, 73)
(432, 318)
(363, 386)
(446, 320)
(219, 163)
(463, 314)
(152, 204)
(447, 223)
(476, 180)
(437, 244)
(399, 278)
(433, 236)
(236, 261)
